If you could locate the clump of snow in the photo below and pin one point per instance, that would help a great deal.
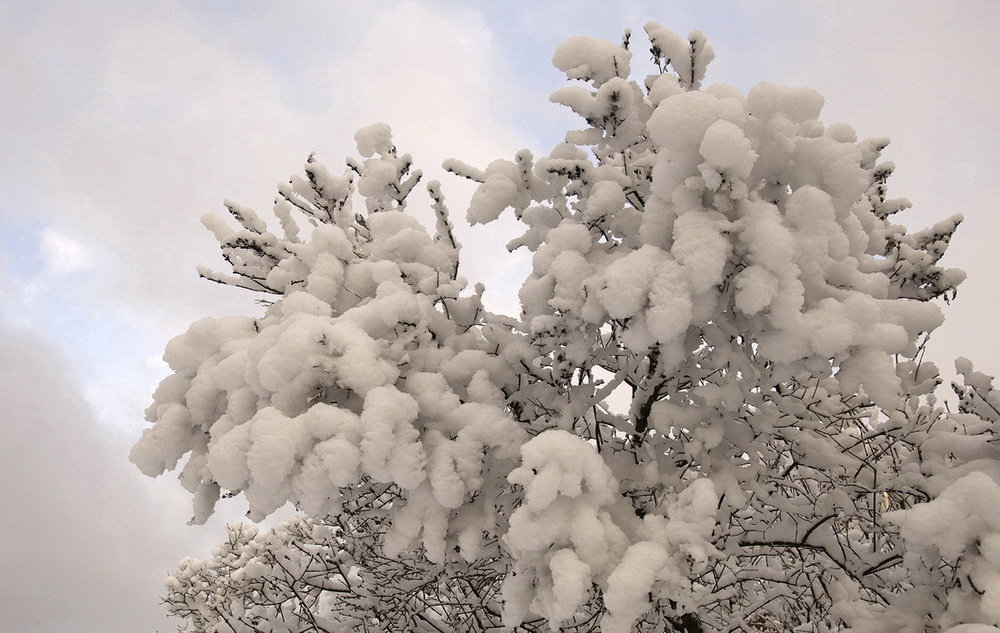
(766, 100)
(374, 139)
(679, 123)
(591, 59)
(727, 149)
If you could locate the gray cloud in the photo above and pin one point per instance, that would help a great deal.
(86, 540)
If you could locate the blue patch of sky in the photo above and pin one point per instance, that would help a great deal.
(20, 242)
(105, 353)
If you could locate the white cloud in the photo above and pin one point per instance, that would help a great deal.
(62, 253)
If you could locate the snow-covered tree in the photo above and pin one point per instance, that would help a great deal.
(711, 414)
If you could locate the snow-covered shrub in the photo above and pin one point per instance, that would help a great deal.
(710, 414)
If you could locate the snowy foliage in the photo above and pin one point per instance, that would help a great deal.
(711, 414)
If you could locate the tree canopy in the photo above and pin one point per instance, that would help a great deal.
(711, 414)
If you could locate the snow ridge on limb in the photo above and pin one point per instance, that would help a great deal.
(949, 555)
(312, 397)
(712, 412)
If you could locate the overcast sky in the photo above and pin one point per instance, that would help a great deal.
(121, 123)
